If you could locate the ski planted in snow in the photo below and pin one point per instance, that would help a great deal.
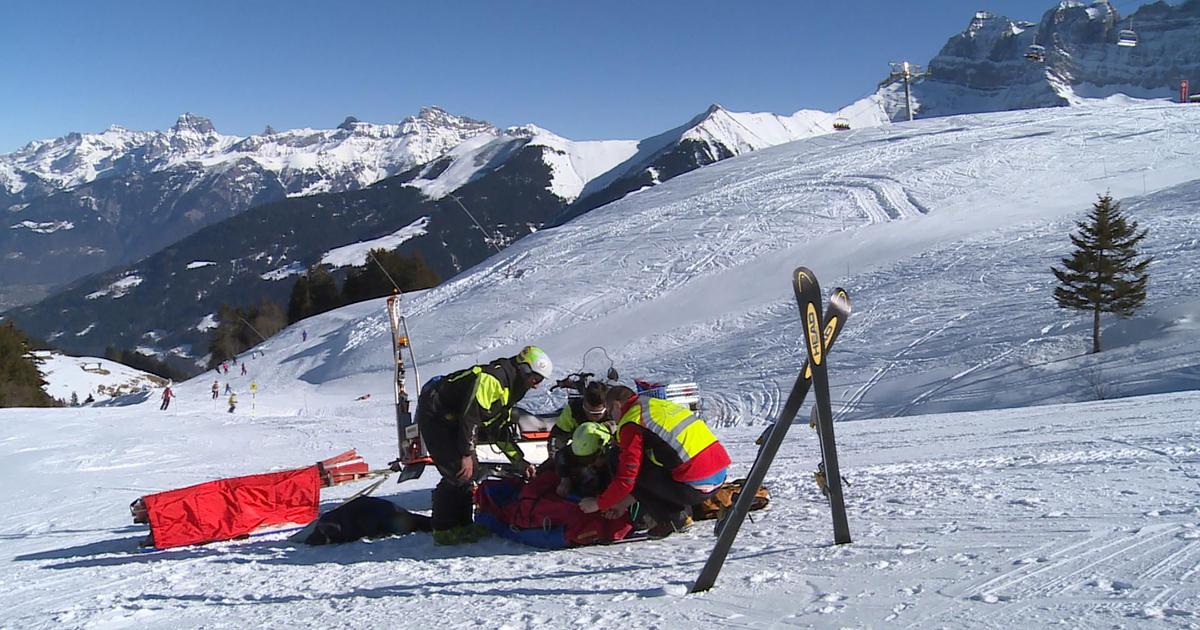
(835, 320)
(808, 295)
(807, 290)
(413, 455)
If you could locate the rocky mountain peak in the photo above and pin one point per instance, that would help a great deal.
(986, 67)
(192, 122)
(435, 118)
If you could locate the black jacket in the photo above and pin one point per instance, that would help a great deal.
(482, 395)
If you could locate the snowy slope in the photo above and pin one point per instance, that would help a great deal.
(84, 376)
(943, 231)
(1081, 515)
(356, 253)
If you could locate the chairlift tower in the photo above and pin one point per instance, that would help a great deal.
(908, 72)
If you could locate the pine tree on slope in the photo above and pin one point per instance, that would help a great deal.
(1103, 274)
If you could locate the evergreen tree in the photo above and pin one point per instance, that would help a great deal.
(21, 383)
(369, 281)
(1104, 273)
(266, 319)
(314, 292)
(300, 300)
(239, 329)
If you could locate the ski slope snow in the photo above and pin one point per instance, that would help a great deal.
(1004, 494)
(943, 231)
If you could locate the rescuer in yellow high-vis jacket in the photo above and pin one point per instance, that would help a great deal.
(669, 461)
(452, 410)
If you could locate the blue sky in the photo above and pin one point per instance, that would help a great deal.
(585, 70)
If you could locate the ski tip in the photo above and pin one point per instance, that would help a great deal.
(840, 298)
(803, 275)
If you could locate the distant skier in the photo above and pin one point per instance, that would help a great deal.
(167, 395)
(243, 368)
(235, 360)
(216, 390)
(228, 389)
(304, 335)
(225, 366)
(451, 410)
(232, 402)
(669, 461)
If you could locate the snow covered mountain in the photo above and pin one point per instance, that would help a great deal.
(87, 202)
(508, 181)
(714, 135)
(985, 69)
(512, 181)
(572, 164)
(305, 161)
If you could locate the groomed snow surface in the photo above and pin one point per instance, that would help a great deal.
(1077, 513)
(1082, 515)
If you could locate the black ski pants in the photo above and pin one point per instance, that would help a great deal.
(453, 504)
(662, 497)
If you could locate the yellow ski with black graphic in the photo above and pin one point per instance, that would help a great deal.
(819, 336)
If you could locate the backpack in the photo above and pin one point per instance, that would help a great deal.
(724, 497)
(365, 517)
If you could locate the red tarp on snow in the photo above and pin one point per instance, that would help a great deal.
(229, 508)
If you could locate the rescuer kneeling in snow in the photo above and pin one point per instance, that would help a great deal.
(450, 412)
(669, 461)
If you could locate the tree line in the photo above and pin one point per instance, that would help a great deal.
(241, 328)
(317, 292)
(21, 383)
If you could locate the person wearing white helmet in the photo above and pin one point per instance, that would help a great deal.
(450, 412)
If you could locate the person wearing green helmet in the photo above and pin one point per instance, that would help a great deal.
(451, 412)
(584, 469)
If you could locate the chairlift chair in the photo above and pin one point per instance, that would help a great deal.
(1127, 37)
(1036, 53)
(841, 124)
